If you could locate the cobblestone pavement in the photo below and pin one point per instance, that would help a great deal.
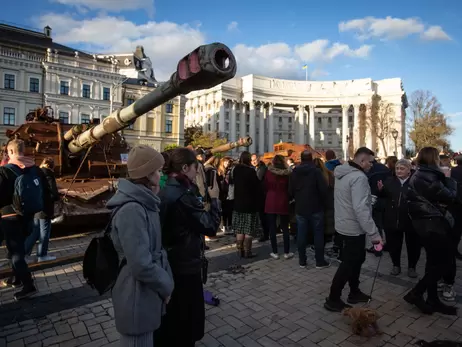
(270, 303)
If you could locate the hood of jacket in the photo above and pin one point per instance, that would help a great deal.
(431, 169)
(277, 171)
(22, 162)
(304, 169)
(130, 192)
(346, 169)
(332, 164)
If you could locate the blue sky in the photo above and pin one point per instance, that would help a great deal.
(419, 43)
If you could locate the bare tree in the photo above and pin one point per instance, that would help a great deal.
(428, 125)
(380, 120)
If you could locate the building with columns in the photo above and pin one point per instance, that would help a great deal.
(324, 114)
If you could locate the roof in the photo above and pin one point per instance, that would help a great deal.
(36, 40)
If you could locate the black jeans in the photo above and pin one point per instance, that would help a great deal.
(15, 230)
(227, 212)
(395, 245)
(449, 275)
(264, 224)
(353, 256)
(439, 252)
(284, 225)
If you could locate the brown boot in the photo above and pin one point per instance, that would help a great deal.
(240, 248)
(248, 248)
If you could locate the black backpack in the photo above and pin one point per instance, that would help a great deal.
(101, 261)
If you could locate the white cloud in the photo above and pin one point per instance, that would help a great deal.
(233, 26)
(167, 42)
(390, 28)
(110, 5)
(434, 33)
(318, 73)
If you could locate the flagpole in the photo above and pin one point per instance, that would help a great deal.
(306, 74)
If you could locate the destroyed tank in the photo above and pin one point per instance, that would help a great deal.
(89, 158)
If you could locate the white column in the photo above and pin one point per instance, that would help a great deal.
(180, 124)
(261, 130)
(21, 117)
(213, 123)
(356, 134)
(23, 85)
(301, 124)
(252, 125)
(311, 128)
(144, 124)
(242, 121)
(345, 131)
(221, 117)
(369, 131)
(270, 127)
(233, 121)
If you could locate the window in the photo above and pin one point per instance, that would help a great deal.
(169, 126)
(64, 117)
(86, 91)
(106, 93)
(34, 85)
(280, 119)
(9, 81)
(290, 120)
(130, 101)
(8, 115)
(209, 127)
(247, 128)
(350, 119)
(64, 88)
(85, 118)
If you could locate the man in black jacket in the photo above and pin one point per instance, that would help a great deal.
(309, 189)
(15, 226)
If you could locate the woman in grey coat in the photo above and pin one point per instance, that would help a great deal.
(145, 281)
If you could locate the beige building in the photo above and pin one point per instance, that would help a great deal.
(160, 127)
(163, 125)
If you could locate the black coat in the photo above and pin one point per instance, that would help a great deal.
(247, 189)
(184, 221)
(308, 187)
(429, 196)
(393, 197)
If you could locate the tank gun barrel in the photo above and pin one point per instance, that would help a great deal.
(203, 68)
(242, 142)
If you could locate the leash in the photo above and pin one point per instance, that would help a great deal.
(375, 278)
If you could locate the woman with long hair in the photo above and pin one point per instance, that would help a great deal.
(185, 221)
(329, 223)
(430, 194)
(247, 195)
(276, 184)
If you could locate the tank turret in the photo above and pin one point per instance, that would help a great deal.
(203, 68)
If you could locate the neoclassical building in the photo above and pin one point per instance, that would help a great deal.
(36, 71)
(324, 114)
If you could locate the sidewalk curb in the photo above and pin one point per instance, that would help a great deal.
(75, 258)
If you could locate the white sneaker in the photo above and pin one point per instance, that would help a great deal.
(274, 255)
(288, 255)
(449, 294)
(45, 258)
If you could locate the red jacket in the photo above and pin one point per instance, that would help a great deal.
(277, 191)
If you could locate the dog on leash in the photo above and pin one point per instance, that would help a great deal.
(364, 321)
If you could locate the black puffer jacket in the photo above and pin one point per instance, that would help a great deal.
(393, 198)
(430, 194)
(184, 221)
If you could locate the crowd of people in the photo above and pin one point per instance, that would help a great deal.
(171, 202)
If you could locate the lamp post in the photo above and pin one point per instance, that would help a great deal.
(394, 134)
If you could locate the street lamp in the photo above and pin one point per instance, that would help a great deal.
(394, 134)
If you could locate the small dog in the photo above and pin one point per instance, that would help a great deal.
(364, 321)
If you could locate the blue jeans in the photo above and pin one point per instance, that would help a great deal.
(41, 230)
(315, 222)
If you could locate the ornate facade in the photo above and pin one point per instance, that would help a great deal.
(324, 114)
